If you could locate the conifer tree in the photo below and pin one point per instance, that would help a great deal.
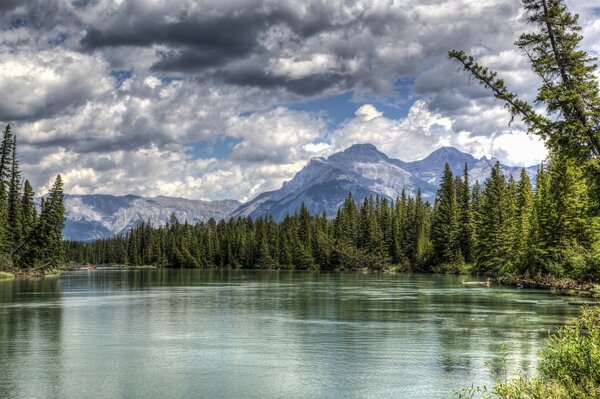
(5, 168)
(28, 211)
(494, 232)
(524, 210)
(569, 86)
(14, 200)
(47, 244)
(466, 234)
(444, 229)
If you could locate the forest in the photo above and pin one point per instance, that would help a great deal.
(503, 226)
(496, 227)
(30, 235)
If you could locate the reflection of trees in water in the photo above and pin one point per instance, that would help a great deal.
(31, 338)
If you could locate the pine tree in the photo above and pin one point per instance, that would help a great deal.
(444, 229)
(494, 230)
(466, 234)
(5, 169)
(47, 243)
(569, 86)
(14, 200)
(541, 230)
(524, 210)
(28, 211)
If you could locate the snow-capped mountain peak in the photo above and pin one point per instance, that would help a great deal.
(322, 184)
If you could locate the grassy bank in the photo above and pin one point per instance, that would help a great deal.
(39, 272)
(6, 276)
(134, 267)
(564, 286)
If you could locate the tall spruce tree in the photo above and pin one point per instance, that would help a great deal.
(569, 87)
(5, 168)
(523, 218)
(444, 228)
(466, 234)
(494, 233)
(14, 200)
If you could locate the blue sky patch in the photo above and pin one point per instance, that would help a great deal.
(121, 75)
(59, 39)
(339, 108)
(221, 148)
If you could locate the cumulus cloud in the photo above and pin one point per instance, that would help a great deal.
(423, 130)
(277, 136)
(116, 94)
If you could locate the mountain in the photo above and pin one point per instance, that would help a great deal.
(90, 217)
(324, 183)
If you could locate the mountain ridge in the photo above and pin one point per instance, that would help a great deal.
(322, 184)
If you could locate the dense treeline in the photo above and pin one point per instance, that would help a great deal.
(502, 226)
(27, 239)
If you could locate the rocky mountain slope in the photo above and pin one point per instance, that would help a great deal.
(322, 185)
(89, 217)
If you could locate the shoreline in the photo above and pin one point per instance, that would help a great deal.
(559, 286)
(36, 273)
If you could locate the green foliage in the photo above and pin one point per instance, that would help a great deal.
(555, 232)
(494, 230)
(568, 368)
(569, 88)
(523, 216)
(444, 225)
(367, 239)
(26, 239)
(466, 218)
(562, 235)
(6, 276)
(504, 228)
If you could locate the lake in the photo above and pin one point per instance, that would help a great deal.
(166, 333)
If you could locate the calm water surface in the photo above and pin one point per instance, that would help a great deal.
(233, 334)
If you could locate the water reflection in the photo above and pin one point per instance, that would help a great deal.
(197, 333)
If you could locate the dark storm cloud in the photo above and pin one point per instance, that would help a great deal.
(199, 41)
(307, 86)
(99, 88)
(212, 43)
(6, 5)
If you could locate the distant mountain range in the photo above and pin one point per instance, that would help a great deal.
(90, 217)
(322, 185)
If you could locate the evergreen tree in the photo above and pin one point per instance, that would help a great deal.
(569, 86)
(466, 234)
(524, 214)
(5, 169)
(494, 232)
(14, 200)
(47, 244)
(444, 229)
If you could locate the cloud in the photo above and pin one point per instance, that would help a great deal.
(277, 136)
(423, 130)
(116, 94)
(43, 83)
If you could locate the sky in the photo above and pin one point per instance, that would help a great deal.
(215, 99)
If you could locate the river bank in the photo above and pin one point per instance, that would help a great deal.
(34, 273)
(563, 286)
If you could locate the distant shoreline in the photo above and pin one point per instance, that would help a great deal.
(559, 286)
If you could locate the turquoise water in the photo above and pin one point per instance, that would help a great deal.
(256, 334)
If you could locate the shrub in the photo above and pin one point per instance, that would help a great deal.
(568, 368)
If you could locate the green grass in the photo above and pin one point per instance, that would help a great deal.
(6, 276)
(121, 266)
(52, 272)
